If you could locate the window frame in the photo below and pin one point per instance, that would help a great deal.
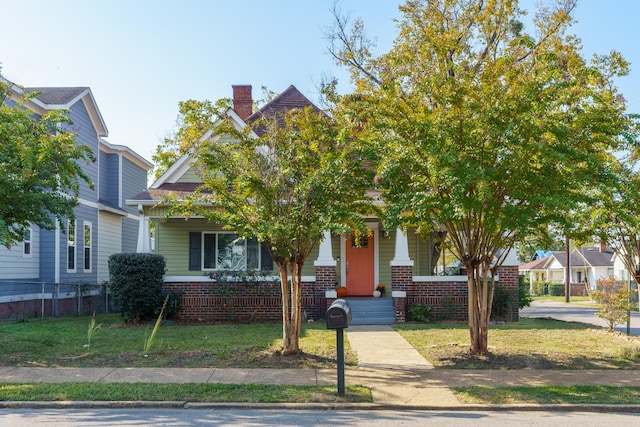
(205, 259)
(87, 225)
(72, 239)
(27, 246)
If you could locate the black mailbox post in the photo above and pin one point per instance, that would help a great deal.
(339, 318)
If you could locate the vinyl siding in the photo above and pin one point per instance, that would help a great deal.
(190, 175)
(134, 182)
(109, 242)
(85, 135)
(109, 170)
(172, 241)
(17, 266)
(130, 229)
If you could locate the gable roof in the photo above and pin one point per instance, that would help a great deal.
(291, 98)
(56, 98)
(536, 264)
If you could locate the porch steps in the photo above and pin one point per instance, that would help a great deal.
(371, 311)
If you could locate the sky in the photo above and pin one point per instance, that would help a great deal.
(142, 57)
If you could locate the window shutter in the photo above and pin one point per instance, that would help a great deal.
(194, 251)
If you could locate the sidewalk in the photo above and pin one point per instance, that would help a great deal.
(396, 373)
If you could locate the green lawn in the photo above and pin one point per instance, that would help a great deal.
(528, 344)
(63, 342)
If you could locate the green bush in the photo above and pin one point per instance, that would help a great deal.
(419, 312)
(501, 302)
(556, 289)
(524, 297)
(136, 285)
(540, 289)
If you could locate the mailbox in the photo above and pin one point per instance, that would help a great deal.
(339, 315)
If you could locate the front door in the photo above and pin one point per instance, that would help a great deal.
(360, 266)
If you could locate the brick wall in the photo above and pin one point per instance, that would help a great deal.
(247, 302)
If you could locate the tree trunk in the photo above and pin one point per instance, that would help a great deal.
(286, 321)
(480, 289)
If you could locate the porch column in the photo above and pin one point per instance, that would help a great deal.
(401, 276)
(325, 255)
(144, 238)
(401, 252)
(325, 267)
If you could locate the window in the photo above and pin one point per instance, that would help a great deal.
(87, 247)
(227, 251)
(71, 246)
(26, 243)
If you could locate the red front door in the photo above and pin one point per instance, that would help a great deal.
(360, 268)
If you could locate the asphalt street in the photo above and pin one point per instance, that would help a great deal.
(576, 313)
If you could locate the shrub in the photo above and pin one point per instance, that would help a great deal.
(615, 299)
(524, 297)
(501, 302)
(136, 285)
(556, 289)
(540, 288)
(419, 312)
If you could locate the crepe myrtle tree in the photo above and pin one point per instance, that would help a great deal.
(41, 166)
(300, 175)
(490, 131)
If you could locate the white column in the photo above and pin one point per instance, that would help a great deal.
(401, 253)
(325, 252)
(144, 239)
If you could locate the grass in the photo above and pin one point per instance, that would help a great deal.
(575, 394)
(253, 393)
(528, 344)
(60, 343)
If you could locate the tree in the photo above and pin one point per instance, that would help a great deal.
(490, 133)
(615, 301)
(285, 181)
(193, 117)
(615, 217)
(41, 165)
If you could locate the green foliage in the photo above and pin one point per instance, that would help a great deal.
(540, 288)
(41, 166)
(150, 340)
(490, 133)
(419, 312)
(286, 180)
(555, 289)
(524, 297)
(136, 284)
(615, 299)
(92, 329)
(502, 300)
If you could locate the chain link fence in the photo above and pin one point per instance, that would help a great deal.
(23, 300)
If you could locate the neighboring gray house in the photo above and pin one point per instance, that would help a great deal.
(104, 224)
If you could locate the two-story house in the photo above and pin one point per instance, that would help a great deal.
(50, 264)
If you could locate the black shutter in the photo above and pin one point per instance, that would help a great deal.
(195, 243)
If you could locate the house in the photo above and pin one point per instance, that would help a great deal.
(52, 264)
(196, 250)
(588, 264)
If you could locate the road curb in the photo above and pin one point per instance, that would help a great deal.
(332, 406)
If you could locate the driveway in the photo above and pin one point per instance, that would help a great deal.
(576, 313)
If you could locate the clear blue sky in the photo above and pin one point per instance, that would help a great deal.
(141, 57)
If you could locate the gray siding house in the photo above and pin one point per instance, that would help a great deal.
(78, 251)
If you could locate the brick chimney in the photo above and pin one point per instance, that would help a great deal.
(602, 246)
(242, 100)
